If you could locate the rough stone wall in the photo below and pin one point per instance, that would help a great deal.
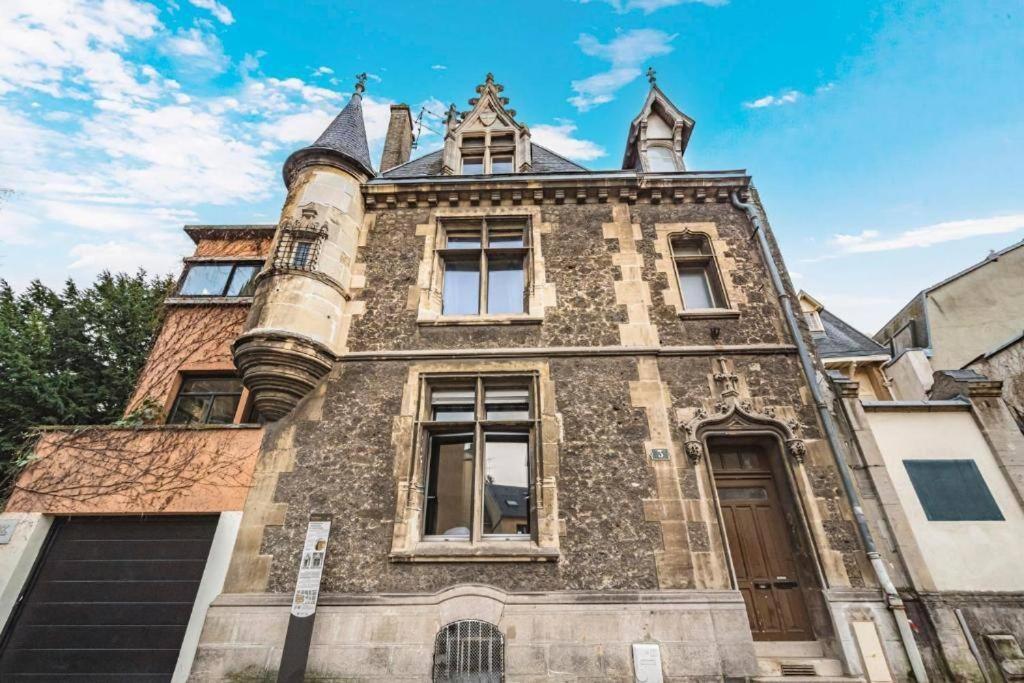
(344, 466)
(1008, 366)
(985, 614)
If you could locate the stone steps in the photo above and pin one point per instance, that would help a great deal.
(795, 661)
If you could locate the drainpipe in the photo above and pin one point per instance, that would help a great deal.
(892, 597)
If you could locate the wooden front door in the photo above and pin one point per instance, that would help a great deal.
(761, 544)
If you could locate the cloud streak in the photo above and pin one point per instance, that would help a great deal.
(869, 241)
(649, 6)
(787, 97)
(560, 138)
(624, 53)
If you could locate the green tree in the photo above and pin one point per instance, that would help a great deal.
(73, 357)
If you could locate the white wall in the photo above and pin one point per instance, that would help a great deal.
(966, 556)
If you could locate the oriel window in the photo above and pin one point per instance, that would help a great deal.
(219, 279)
(484, 266)
(207, 400)
(699, 282)
(479, 435)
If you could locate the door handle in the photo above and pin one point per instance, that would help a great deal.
(762, 585)
(786, 584)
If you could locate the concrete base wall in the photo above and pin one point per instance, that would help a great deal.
(852, 606)
(703, 635)
(986, 614)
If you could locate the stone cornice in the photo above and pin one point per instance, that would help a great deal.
(569, 188)
(567, 351)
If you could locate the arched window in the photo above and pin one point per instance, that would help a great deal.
(469, 651)
(661, 159)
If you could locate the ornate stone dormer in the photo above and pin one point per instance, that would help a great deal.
(658, 135)
(486, 140)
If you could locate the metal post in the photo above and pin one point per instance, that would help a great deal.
(295, 654)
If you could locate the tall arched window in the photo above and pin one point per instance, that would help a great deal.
(469, 651)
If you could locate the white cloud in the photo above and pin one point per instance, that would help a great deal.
(438, 67)
(222, 13)
(323, 71)
(787, 97)
(950, 231)
(128, 256)
(625, 53)
(196, 52)
(559, 138)
(648, 6)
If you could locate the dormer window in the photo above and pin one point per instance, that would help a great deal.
(488, 154)
(661, 159)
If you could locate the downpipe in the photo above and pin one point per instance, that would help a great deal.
(892, 597)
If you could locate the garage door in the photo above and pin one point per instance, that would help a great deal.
(109, 600)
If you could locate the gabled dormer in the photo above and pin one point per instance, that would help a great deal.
(658, 135)
(486, 140)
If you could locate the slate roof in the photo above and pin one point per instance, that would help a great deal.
(840, 340)
(544, 161)
(346, 135)
(513, 501)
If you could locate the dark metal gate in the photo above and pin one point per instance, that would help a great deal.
(109, 599)
(469, 651)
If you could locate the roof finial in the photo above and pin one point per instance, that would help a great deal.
(651, 75)
(361, 82)
(489, 78)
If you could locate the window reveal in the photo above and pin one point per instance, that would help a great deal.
(219, 279)
(699, 284)
(484, 266)
(479, 438)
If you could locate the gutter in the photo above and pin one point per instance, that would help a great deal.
(892, 598)
(522, 178)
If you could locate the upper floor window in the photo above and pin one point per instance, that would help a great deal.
(479, 438)
(661, 159)
(491, 153)
(813, 319)
(219, 279)
(699, 283)
(484, 266)
(207, 399)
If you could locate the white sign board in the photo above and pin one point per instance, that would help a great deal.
(647, 663)
(311, 568)
(7, 527)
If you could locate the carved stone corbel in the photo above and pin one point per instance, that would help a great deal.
(694, 451)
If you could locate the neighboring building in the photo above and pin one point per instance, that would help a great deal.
(964, 316)
(553, 413)
(1006, 363)
(941, 474)
(846, 350)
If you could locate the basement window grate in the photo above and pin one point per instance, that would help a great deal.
(798, 670)
(469, 651)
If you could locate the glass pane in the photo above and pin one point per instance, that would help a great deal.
(211, 385)
(300, 254)
(502, 165)
(223, 410)
(241, 281)
(206, 280)
(189, 409)
(461, 288)
(693, 283)
(507, 403)
(505, 238)
(689, 247)
(453, 405)
(505, 286)
(661, 159)
(463, 239)
(506, 484)
(752, 493)
(472, 165)
(450, 486)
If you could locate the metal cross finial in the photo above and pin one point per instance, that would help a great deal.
(361, 82)
(651, 75)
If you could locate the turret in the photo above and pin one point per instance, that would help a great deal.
(298, 322)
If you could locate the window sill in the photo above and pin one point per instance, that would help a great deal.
(485, 551)
(710, 314)
(471, 320)
(208, 301)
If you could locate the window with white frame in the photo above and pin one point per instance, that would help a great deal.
(699, 283)
(479, 437)
(488, 153)
(484, 266)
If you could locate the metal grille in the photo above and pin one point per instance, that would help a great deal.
(790, 669)
(469, 651)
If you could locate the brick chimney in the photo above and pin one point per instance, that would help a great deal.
(398, 143)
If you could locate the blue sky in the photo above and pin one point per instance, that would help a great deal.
(886, 138)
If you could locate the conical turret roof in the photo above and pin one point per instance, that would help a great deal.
(345, 137)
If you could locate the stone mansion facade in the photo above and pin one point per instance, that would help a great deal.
(564, 424)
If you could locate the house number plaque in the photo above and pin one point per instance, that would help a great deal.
(659, 454)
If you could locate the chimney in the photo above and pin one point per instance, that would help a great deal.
(398, 143)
